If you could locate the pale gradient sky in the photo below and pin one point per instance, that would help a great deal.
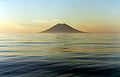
(30, 16)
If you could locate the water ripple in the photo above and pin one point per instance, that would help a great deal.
(59, 55)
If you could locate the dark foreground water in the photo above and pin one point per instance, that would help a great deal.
(59, 55)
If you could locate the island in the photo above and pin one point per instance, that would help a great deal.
(62, 28)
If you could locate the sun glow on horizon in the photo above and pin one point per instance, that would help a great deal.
(22, 16)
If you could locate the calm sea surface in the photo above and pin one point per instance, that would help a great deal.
(59, 55)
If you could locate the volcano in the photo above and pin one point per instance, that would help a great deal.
(62, 28)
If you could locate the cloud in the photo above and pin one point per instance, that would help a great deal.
(88, 27)
(42, 21)
(15, 27)
(8, 24)
(40, 25)
(22, 27)
(100, 28)
(91, 25)
(47, 21)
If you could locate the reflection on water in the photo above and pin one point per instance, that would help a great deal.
(59, 55)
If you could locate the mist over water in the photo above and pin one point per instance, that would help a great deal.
(59, 55)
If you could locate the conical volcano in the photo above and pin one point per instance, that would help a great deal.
(61, 28)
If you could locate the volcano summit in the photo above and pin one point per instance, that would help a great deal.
(61, 28)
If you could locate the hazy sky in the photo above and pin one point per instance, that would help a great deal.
(28, 16)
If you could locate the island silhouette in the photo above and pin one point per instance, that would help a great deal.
(62, 28)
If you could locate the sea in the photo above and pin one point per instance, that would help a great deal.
(59, 55)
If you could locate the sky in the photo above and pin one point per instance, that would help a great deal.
(33, 16)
